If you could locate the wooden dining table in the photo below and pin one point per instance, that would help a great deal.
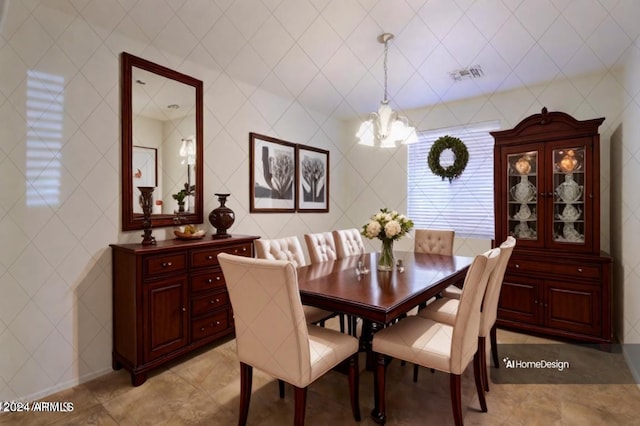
(378, 297)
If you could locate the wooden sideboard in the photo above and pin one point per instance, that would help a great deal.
(169, 299)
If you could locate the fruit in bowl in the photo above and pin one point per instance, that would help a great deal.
(189, 232)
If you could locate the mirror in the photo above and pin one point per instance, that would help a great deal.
(161, 143)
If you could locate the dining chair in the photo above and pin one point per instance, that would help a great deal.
(272, 333)
(434, 241)
(348, 242)
(431, 344)
(289, 248)
(446, 309)
(321, 247)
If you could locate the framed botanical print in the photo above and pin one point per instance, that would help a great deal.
(272, 177)
(313, 179)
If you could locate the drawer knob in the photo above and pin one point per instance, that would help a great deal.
(217, 322)
(235, 250)
(209, 281)
(517, 265)
(184, 309)
(579, 269)
(209, 257)
(202, 329)
(244, 249)
(165, 264)
(218, 278)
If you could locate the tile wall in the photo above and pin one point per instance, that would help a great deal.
(60, 189)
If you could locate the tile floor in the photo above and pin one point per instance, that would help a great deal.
(203, 390)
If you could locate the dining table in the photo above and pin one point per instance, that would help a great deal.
(354, 286)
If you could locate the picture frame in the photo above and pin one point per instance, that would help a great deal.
(272, 175)
(313, 179)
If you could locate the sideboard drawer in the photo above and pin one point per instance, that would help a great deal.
(207, 281)
(165, 263)
(203, 304)
(566, 269)
(209, 325)
(209, 257)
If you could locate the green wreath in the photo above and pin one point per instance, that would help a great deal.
(460, 153)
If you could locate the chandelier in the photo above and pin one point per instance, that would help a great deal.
(386, 127)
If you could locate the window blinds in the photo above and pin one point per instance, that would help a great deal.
(464, 205)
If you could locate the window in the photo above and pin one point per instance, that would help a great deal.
(464, 205)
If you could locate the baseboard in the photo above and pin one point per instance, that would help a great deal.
(66, 385)
(632, 361)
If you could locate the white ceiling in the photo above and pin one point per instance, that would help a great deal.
(325, 52)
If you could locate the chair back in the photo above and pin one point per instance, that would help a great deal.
(321, 247)
(271, 329)
(464, 342)
(434, 241)
(287, 248)
(348, 242)
(492, 294)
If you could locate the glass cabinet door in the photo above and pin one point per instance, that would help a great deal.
(568, 195)
(522, 190)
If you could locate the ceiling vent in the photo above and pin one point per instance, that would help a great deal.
(467, 73)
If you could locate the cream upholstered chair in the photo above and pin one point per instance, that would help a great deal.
(322, 248)
(436, 241)
(289, 248)
(273, 335)
(445, 309)
(348, 242)
(444, 347)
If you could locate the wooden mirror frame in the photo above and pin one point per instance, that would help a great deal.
(130, 220)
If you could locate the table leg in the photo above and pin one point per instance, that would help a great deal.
(369, 328)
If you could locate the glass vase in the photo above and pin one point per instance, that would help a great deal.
(385, 261)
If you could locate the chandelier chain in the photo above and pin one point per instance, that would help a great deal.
(386, 71)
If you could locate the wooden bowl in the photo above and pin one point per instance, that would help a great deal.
(186, 236)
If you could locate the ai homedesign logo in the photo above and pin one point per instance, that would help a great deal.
(541, 364)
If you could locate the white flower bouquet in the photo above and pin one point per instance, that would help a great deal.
(387, 225)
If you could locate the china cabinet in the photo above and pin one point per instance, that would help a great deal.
(547, 196)
(169, 299)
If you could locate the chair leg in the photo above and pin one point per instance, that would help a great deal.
(482, 354)
(478, 379)
(246, 376)
(494, 346)
(378, 413)
(281, 388)
(456, 398)
(456, 403)
(354, 386)
(352, 322)
(300, 397)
